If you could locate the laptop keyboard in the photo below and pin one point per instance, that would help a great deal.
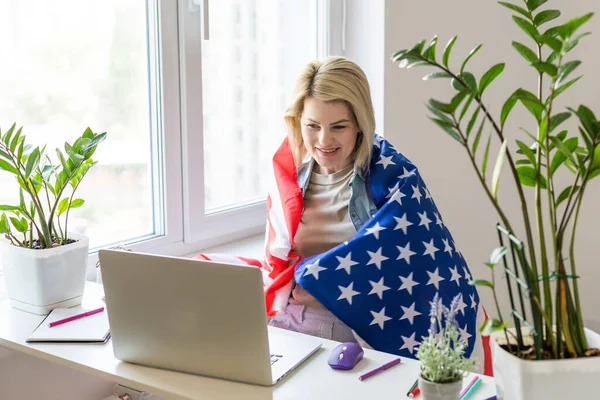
(275, 358)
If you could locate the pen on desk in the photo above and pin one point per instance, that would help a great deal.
(415, 393)
(413, 387)
(466, 388)
(379, 369)
(74, 317)
(471, 390)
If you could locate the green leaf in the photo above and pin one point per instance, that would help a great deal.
(481, 282)
(32, 162)
(448, 50)
(430, 51)
(574, 42)
(554, 43)
(558, 119)
(528, 28)
(473, 120)
(397, 56)
(478, 136)
(471, 54)
(587, 119)
(22, 200)
(526, 52)
(8, 135)
(527, 151)
(418, 48)
(466, 106)
(507, 107)
(492, 325)
(596, 161)
(497, 254)
(63, 205)
(456, 100)
(548, 68)
(533, 5)
(436, 75)
(4, 165)
(565, 69)
(19, 224)
(523, 161)
(498, 169)
(516, 8)
(450, 130)
(443, 107)
(6, 207)
(489, 76)
(15, 140)
(527, 177)
(4, 227)
(486, 155)
(440, 114)
(575, 23)
(531, 102)
(4, 155)
(563, 87)
(546, 16)
(565, 194)
(76, 203)
(561, 155)
(469, 79)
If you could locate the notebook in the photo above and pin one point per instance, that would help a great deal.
(90, 329)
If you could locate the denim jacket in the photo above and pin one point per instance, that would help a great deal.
(361, 207)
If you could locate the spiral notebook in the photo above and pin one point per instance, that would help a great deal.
(90, 329)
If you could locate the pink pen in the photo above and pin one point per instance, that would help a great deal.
(74, 317)
(466, 389)
(379, 369)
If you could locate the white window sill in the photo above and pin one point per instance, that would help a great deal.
(252, 247)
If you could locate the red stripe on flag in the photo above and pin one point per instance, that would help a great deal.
(488, 366)
(286, 177)
(201, 257)
(250, 261)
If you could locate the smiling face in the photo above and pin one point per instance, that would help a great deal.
(329, 132)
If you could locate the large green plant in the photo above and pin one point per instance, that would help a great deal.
(541, 154)
(46, 190)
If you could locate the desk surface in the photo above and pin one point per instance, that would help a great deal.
(313, 379)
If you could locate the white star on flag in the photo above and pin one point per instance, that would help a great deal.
(347, 293)
(430, 249)
(375, 230)
(406, 173)
(435, 278)
(438, 220)
(424, 219)
(385, 161)
(416, 193)
(378, 288)
(427, 194)
(397, 196)
(409, 313)
(447, 247)
(473, 302)
(379, 318)
(314, 269)
(409, 343)
(405, 253)
(345, 262)
(392, 190)
(402, 223)
(467, 275)
(376, 258)
(455, 275)
(407, 283)
(464, 335)
(461, 305)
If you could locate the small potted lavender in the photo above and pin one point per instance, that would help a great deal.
(442, 354)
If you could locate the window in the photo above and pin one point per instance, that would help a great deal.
(191, 93)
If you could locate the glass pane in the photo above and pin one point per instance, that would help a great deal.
(70, 64)
(249, 64)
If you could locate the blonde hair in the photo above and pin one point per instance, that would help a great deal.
(334, 79)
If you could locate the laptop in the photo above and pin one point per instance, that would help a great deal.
(198, 317)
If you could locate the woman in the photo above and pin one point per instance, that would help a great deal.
(356, 248)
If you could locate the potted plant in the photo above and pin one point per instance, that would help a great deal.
(548, 344)
(44, 264)
(442, 354)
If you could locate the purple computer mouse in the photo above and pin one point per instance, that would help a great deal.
(345, 356)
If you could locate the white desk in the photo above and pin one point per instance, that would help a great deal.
(314, 379)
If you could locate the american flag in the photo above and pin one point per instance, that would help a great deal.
(380, 282)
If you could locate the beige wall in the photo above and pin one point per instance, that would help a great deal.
(442, 161)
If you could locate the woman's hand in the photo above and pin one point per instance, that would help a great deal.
(302, 297)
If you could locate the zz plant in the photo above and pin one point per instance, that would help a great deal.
(46, 189)
(540, 154)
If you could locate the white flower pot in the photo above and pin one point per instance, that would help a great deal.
(38, 281)
(518, 379)
(440, 391)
